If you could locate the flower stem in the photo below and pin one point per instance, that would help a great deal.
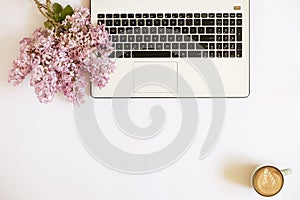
(47, 7)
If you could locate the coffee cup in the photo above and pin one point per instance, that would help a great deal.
(268, 180)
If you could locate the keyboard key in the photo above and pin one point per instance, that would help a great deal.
(109, 22)
(225, 15)
(210, 29)
(115, 38)
(139, 38)
(145, 30)
(219, 15)
(225, 22)
(158, 46)
(123, 38)
(232, 22)
(113, 30)
(187, 38)
(160, 15)
(211, 54)
(147, 38)
(167, 46)
(127, 54)
(232, 54)
(119, 54)
(117, 22)
(207, 38)
(175, 54)
(201, 30)
(145, 15)
(239, 15)
(225, 30)
(171, 38)
(152, 15)
(162, 38)
(175, 46)
(183, 54)
(219, 30)
(155, 38)
(185, 30)
(239, 46)
(232, 15)
(232, 45)
(219, 22)
(219, 45)
(225, 54)
(225, 38)
(173, 22)
(197, 15)
(135, 46)
(153, 30)
(202, 46)
(189, 22)
(181, 15)
(123, 15)
(131, 38)
(208, 22)
(165, 22)
(239, 33)
(151, 54)
(101, 16)
(183, 46)
(141, 22)
(131, 15)
(219, 38)
(127, 46)
(211, 45)
(193, 30)
(177, 30)
(191, 46)
(175, 15)
(149, 22)
(195, 38)
(151, 46)
(232, 38)
(161, 30)
(168, 15)
(113, 54)
(219, 54)
(239, 53)
(121, 30)
(225, 46)
(178, 38)
(157, 22)
(232, 30)
(205, 54)
(239, 22)
(143, 46)
(197, 22)
(132, 22)
(119, 46)
(129, 30)
(108, 15)
(169, 30)
(189, 15)
(116, 15)
(194, 54)
(137, 30)
(211, 15)
(181, 22)
(204, 15)
(101, 21)
(138, 15)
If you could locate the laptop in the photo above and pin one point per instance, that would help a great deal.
(172, 48)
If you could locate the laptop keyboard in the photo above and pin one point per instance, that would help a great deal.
(173, 35)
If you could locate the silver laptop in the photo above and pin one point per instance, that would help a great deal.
(172, 48)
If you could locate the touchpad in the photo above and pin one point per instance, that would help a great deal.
(155, 77)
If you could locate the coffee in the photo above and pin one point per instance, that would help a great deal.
(267, 181)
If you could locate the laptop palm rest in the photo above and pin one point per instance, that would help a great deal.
(155, 77)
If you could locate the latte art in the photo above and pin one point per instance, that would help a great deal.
(268, 181)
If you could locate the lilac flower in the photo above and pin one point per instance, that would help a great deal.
(58, 61)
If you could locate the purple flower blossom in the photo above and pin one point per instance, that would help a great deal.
(60, 62)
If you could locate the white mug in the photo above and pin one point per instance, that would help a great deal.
(268, 180)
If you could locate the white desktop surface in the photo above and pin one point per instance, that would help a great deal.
(41, 156)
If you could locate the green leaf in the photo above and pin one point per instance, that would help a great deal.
(57, 8)
(57, 18)
(48, 24)
(68, 10)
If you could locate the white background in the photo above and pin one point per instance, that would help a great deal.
(41, 156)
